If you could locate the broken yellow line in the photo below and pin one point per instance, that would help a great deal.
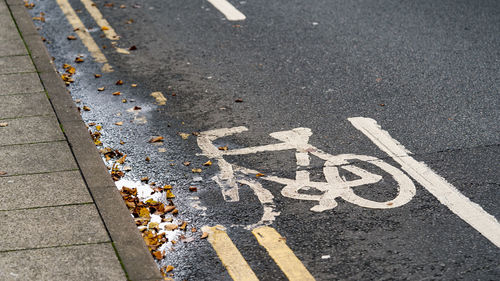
(82, 32)
(284, 257)
(231, 258)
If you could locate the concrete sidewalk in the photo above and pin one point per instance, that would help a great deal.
(62, 218)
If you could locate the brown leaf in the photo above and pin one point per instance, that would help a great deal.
(184, 136)
(119, 82)
(122, 159)
(133, 85)
(119, 123)
(183, 225)
(3, 173)
(170, 226)
(79, 60)
(186, 163)
(158, 255)
(193, 188)
(204, 235)
(170, 194)
(4, 124)
(104, 28)
(116, 93)
(100, 89)
(145, 179)
(86, 108)
(238, 100)
(132, 48)
(194, 170)
(223, 148)
(97, 75)
(169, 268)
(258, 175)
(208, 163)
(148, 159)
(71, 37)
(156, 139)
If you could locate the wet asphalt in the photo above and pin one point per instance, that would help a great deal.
(427, 71)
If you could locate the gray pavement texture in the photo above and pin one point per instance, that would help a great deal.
(51, 227)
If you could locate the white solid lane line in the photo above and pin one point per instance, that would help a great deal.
(446, 193)
(228, 10)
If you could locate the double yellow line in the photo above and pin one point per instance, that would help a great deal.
(82, 32)
(268, 238)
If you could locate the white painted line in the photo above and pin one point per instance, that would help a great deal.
(228, 10)
(446, 193)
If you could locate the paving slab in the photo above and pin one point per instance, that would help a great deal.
(24, 105)
(83, 262)
(16, 64)
(12, 47)
(19, 83)
(30, 130)
(36, 158)
(43, 190)
(7, 27)
(51, 226)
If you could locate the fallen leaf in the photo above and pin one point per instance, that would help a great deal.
(42, 19)
(196, 170)
(123, 6)
(104, 28)
(193, 229)
(158, 255)
(132, 48)
(156, 139)
(100, 89)
(208, 163)
(79, 60)
(133, 85)
(86, 108)
(184, 136)
(71, 37)
(193, 188)
(238, 100)
(258, 175)
(92, 124)
(4, 124)
(124, 100)
(169, 268)
(223, 148)
(148, 159)
(120, 123)
(183, 225)
(122, 142)
(160, 99)
(97, 75)
(119, 82)
(137, 107)
(170, 194)
(204, 235)
(116, 93)
(145, 179)
(186, 163)
(98, 127)
(170, 226)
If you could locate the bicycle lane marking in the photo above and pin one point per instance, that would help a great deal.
(229, 11)
(446, 193)
(284, 257)
(231, 258)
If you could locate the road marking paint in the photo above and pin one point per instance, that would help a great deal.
(229, 11)
(231, 258)
(284, 257)
(82, 32)
(100, 20)
(446, 193)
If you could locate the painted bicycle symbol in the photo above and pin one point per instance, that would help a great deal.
(336, 186)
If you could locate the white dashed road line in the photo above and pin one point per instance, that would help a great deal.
(228, 10)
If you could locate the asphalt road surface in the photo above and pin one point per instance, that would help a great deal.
(427, 72)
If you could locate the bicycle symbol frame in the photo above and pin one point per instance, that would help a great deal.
(297, 139)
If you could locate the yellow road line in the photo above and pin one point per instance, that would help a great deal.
(103, 23)
(81, 31)
(231, 258)
(100, 20)
(276, 246)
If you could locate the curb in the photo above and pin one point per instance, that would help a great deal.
(128, 243)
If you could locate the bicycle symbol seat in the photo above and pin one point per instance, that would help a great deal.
(336, 186)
